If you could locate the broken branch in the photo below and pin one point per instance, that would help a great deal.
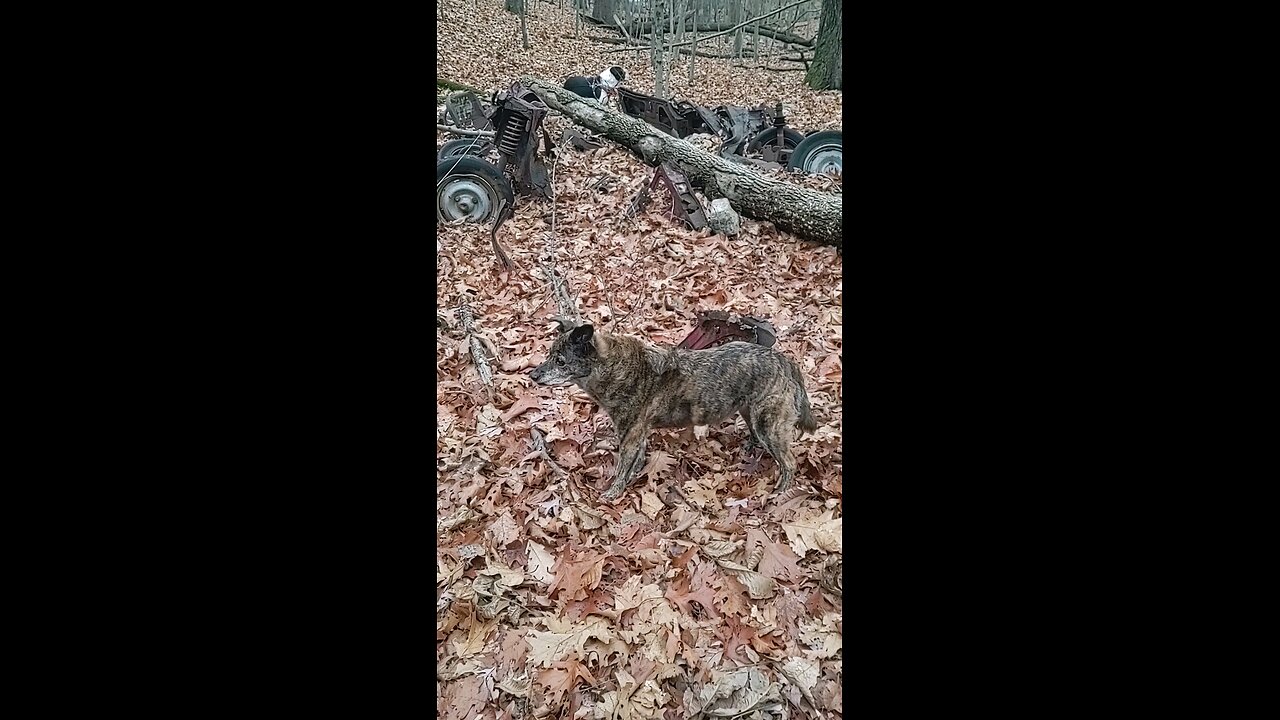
(465, 131)
(475, 347)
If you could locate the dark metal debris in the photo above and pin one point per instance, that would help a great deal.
(716, 327)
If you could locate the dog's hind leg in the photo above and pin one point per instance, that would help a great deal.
(774, 432)
(752, 442)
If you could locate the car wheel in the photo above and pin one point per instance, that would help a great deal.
(477, 147)
(820, 153)
(470, 189)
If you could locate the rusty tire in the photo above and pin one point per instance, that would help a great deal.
(790, 138)
(470, 189)
(477, 147)
(819, 153)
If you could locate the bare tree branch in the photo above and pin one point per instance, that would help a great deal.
(682, 51)
(725, 32)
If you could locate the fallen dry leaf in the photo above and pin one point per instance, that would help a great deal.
(540, 562)
(817, 533)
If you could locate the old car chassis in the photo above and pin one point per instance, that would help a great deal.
(516, 117)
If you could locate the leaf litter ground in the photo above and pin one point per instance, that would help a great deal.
(697, 591)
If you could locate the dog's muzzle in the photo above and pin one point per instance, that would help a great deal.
(553, 376)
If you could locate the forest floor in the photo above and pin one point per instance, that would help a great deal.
(697, 590)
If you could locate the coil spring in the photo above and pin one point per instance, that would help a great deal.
(510, 141)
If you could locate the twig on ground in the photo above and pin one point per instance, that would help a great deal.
(476, 348)
(540, 450)
(466, 131)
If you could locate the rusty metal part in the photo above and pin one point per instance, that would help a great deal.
(717, 327)
(505, 211)
(463, 109)
(679, 119)
(736, 126)
(776, 154)
(516, 121)
(576, 139)
(684, 204)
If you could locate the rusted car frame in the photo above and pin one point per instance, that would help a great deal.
(736, 126)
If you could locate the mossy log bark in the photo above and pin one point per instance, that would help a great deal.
(808, 213)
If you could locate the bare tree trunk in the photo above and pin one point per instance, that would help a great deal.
(633, 19)
(657, 54)
(694, 55)
(807, 213)
(739, 8)
(524, 25)
(755, 42)
(828, 55)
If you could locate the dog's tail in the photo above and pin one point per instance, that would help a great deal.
(806, 421)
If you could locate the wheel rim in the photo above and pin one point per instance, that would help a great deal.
(825, 160)
(772, 141)
(464, 196)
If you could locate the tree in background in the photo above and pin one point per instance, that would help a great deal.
(825, 72)
(524, 26)
(657, 56)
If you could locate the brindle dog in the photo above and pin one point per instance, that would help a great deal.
(643, 387)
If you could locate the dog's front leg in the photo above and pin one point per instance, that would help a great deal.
(630, 461)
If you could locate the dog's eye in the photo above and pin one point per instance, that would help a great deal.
(559, 359)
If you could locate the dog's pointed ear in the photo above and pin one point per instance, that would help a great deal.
(581, 335)
(565, 324)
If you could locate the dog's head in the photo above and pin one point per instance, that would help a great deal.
(571, 355)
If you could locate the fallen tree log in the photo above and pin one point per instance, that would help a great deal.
(808, 213)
